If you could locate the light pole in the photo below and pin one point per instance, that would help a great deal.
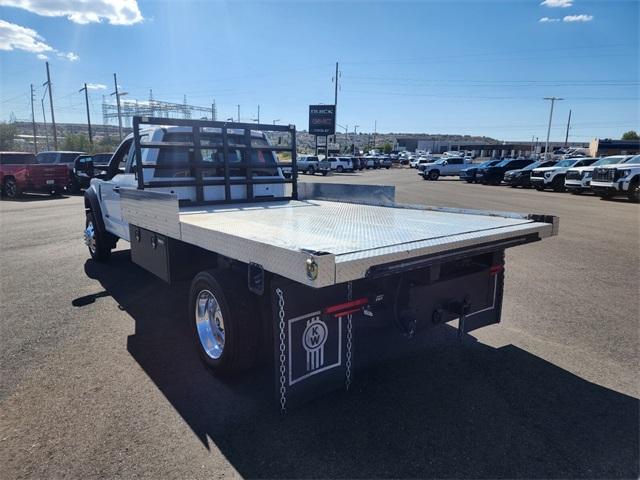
(553, 101)
(276, 121)
(355, 128)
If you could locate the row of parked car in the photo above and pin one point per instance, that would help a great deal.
(311, 164)
(48, 172)
(607, 177)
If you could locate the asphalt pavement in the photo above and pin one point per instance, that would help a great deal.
(99, 379)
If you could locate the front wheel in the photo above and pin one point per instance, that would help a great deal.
(311, 171)
(11, 189)
(558, 184)
(95, 240)
(324, 173)
(434, 174)
(340, 169)
(225, 329)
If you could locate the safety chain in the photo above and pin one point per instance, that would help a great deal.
(283, 369)
(349, 338)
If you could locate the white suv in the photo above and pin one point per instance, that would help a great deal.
(341, 164)
(553, 177)
(619, 179)
(445, 167)
(578, 179)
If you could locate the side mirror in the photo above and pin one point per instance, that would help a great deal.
(445, 163)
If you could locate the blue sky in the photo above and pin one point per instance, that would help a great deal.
(469, 67)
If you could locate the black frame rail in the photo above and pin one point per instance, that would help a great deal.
(196, 165)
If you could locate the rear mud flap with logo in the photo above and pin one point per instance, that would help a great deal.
(312, 349)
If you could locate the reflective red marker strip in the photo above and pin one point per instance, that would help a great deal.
(346, 308)
(496, 269)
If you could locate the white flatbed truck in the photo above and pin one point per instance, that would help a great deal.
(315, 272)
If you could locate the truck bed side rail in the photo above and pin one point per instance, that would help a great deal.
(226, 135)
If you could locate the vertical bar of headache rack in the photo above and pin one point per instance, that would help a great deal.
(294, 163)
(225, 154)
(138, 152)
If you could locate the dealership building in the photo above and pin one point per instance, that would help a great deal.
(605, 147)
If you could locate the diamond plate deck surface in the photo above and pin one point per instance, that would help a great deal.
(341, 228)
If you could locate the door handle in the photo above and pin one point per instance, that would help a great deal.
(116, 189)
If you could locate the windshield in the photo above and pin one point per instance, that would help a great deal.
(566, 163)
(607, 161)
(503, 163)
(633, 160)
(533, 165)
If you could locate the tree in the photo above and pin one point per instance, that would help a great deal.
(387, 148)
(76, 142)
(630, 135)
(7, 136)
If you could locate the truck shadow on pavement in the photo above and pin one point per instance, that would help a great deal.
(447, 411)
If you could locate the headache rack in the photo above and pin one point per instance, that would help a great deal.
(227, 131)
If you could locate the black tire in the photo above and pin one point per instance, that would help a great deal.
(558, 184)
(576, 191)
(469, 181)
(539, 188)
(241, 324)
(324, 173)
(100, 247)
(606, 195)
(311, 170)
(339, 169)
(387, 168)
(433, 175)
(634, 192)
(10, 188)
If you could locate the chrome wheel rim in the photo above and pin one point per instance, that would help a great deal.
(210, 324)
(90, 237)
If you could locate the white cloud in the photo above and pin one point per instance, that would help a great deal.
(578, 18)
(72, 57)
(557, 3)
(548, 20)
(116, 12)
(15, 37)
(96, 86)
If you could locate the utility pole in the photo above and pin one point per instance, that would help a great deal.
(258, 113)
(44, 116)
(566, 138)
(375, 130)
(276, 121)
(335, 102)
(238, 113)
(533, 137)
(214, 113)
(86, 100)
(117, 94)
(553, 101)
(355, 129)
(53, 118)
(33, 122)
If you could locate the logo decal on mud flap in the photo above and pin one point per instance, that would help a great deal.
(315, 345)
(313, 340)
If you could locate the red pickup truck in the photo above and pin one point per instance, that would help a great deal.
(20, 172)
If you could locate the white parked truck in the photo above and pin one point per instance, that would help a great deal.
(553, 177)
(327, 276)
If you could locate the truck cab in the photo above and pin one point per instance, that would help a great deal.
(166, 168)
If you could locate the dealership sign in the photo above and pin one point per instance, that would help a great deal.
(322, 119)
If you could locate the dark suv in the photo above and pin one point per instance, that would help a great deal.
(522, 176)
(494, 174)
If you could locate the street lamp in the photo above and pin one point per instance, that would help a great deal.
(553, 101)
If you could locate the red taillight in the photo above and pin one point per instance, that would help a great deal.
(346, 308)
(495, 269)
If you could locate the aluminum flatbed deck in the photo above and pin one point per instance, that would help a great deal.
(342, 241)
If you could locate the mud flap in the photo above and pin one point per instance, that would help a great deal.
(312, 349)
(491, 314)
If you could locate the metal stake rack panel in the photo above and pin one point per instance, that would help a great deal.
(196, 165)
